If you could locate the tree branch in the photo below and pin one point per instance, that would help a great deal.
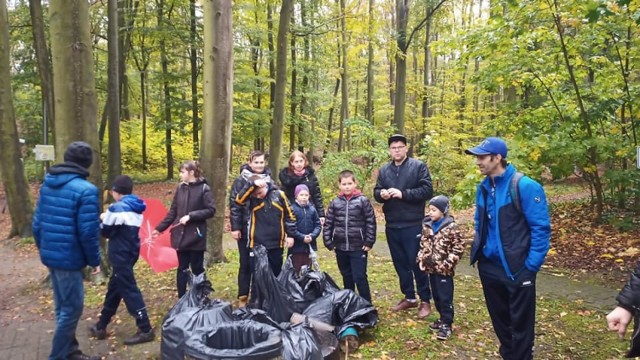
(421, 25)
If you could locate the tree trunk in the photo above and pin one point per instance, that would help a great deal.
(426, 79)
(218, 108)
(74, 84)
(293, 97)
(43, 57)
(344, 106)
(592, 150)
(277, 126)
(402, 15)
(15, 183)
(142, 64)
(115, 154)
(369, 114)
(304, 108)
(331, 111)
(166, 108)
(272, 52)
(193, 60)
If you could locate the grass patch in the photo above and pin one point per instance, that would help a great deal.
(564, 330)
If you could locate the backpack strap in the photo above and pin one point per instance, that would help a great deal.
(514, 189)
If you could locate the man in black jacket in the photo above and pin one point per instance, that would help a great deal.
(404, 187)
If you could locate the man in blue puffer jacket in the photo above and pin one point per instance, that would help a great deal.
(510, 245)
(66, 228)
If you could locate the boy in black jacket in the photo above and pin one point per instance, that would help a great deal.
(121, 224)
(271, 220)
(350, 230)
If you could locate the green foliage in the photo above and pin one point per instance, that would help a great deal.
(364, 160)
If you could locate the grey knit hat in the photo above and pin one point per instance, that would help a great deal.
(441, 202)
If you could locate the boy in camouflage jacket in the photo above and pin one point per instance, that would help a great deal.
(441, 247)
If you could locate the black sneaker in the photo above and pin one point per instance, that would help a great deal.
(435, 326)
(445, 332)
(140, 337)
(98, 333)
(78, 355)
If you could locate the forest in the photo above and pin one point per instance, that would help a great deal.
(149, 83)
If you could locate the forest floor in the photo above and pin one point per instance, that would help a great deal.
(585, 268)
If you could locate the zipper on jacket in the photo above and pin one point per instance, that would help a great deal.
(346, 223)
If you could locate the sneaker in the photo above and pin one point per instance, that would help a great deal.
(424, 310)
(404, 304)
(78, 355)
(98, 333)
(140, 337)
(445, 332)
(435, 326)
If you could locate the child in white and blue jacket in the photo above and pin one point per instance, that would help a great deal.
(307, 228)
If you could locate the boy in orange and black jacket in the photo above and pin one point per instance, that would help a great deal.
(271, 220)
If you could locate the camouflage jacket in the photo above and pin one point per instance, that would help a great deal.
(440, 252)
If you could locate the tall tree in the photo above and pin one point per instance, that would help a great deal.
(73, 79)
(344, 106)
(115, 154)
(166, 91)
(193, 61)
(43, 56)
(403, 41)
(74, 83)
(370, 37)
(11, 167)
(218, 108)
(277, 126)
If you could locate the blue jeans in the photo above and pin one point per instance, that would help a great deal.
(404, 244)
(68, 295)
(353, 268)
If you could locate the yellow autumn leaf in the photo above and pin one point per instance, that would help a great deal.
(632, 251)
(607, 256)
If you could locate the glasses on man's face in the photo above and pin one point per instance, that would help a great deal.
(396, 148)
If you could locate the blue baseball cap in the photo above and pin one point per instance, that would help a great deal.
(489, 146)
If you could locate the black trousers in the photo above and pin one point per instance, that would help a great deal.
(353, 268)
(244, 269)
(512, 307)
(193, 259)
(442, 292)
(123, 286)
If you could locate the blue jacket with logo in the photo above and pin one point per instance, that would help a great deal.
(66, 220)
(505, 235)
(121, 225)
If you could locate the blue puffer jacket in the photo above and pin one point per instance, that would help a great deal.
(307, 223)
(503, 234)
(121, 225)
(66, 220)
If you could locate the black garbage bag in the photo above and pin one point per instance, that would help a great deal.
(343, 309)
(243, 339)
(197, 295)
(179, 327)
(306, 287)
(270, 295)
(247, 313)
(299, 342)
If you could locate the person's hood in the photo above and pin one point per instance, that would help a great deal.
(355, 193)
(62, 173)
(198, 182)
(246, 173)
(134, 202)
(448, 219)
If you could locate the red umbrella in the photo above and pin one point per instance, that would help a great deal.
(157, 251)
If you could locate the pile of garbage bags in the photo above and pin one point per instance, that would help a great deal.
(293, 316)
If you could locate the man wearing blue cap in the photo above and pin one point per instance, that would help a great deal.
(511, 241)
